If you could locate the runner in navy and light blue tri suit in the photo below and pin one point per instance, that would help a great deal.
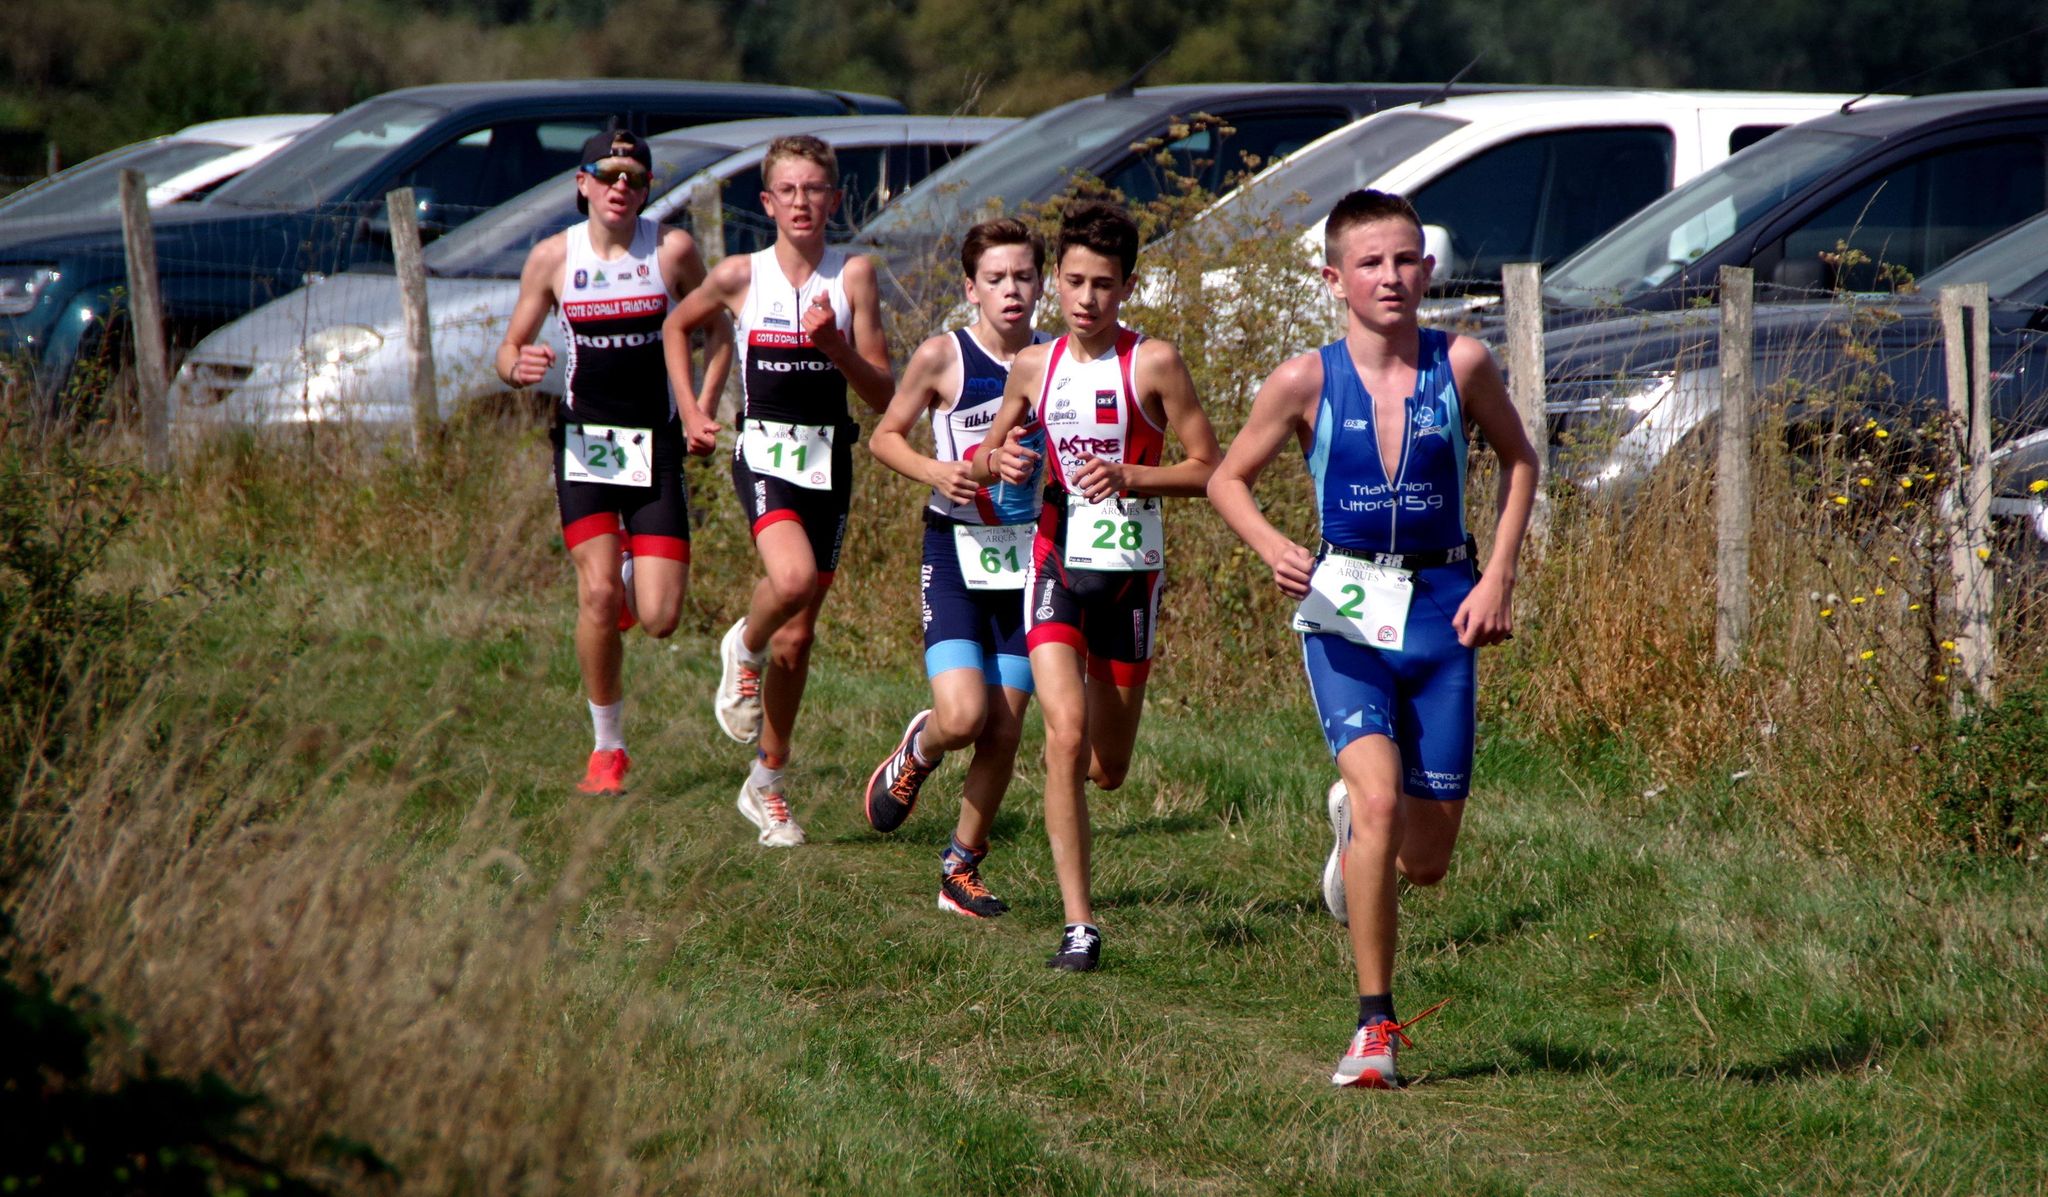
(977, 541)
(1391, 609)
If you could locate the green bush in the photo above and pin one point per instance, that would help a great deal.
(1990, 790)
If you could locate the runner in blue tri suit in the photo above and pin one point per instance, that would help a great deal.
(977, 544)
(1392, 609)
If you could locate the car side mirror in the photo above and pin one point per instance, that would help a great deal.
(433, 219)
(1436, 242)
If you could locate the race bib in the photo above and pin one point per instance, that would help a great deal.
(1115, 534)
(602, 453)
(1358, 600)
(799, 454)
(993, 556)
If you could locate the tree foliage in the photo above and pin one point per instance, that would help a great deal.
(99, 72)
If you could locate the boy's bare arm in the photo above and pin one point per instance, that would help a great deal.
(1001, 456)
(519, 361)
(923, 382)
(1487, 614)
(1279, 413)
(705, 305)
(684, 269)
(1160, 373)
(865, 361)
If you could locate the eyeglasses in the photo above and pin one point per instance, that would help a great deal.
(789, 192)
(636, 177)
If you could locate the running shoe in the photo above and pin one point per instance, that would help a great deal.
(1339, 804)
(961, 892)
(607, 772)
(738, 704)
(1369, 1062)
(1080, 949)
(893, 786)
(766, 810)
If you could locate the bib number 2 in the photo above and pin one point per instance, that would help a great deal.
(1363, 602)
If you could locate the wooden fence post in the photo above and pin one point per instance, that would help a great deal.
(1733, 500)
(1521, 294)
(146, 317)
(419, 335)
(1966, 504)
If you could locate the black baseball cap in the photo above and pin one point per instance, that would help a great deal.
(612, 143)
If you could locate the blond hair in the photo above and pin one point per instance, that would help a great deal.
(801, 146)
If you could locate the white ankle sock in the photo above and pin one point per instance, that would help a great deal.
(609, 724)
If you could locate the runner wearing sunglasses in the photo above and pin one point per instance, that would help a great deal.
(619, 438)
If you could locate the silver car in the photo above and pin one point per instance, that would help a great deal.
(335, 351)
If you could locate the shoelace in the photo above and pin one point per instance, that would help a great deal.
(1079, 939)
(969, 880)
(1372, 1037)
(778, 810)
(908, 777)
(749, 682)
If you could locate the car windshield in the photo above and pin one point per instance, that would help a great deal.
(2010, 263)
(93, 188)
(1301, 188)
(1678, 229)
(495, 244)
(1024, 164)
(327, 158)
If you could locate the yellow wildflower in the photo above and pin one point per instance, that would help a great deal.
(1863, 482)
(1940, 677)
(1948, 646)
(1983, 554)
(1857, 601)
(1841, 500)
(1905, 484)
(1881, 434)
(1866, 654)
(1879, 592)
(1826, 611)
(2037, 486)
(1912, 606)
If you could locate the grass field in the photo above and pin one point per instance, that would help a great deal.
(332, 851)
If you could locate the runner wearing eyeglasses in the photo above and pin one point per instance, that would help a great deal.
(810, 325)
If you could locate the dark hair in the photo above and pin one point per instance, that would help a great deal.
(1363, 207)
(1004, 230)
(1102, 227)
(616, 141)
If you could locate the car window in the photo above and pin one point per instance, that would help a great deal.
(1748, 135)
(1217, 155)
(1541, 197)
(486, 167)
(1913, 217)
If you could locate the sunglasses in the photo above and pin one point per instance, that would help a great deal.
(636, 177)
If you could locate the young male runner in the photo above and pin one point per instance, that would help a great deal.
(977, 542)
(1104, 396)
(1392, 610)
(618, 439)
(810, 323)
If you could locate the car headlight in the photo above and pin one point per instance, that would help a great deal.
(1605, 410)
(341, 344)
(22, 286)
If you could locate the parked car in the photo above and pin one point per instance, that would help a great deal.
(318, 205)
(1129, 139)
(337, 350)
(1504, 177)
(178, 166)
(1513, 177)
(1628, 394)
(1854, 201)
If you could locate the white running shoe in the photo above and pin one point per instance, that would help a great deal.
(737, 705)
(766, 810)
(1333, 869)
(1369, 1063)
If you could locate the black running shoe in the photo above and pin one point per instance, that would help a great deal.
(893, 786)
(1080, 949)
(962, 892)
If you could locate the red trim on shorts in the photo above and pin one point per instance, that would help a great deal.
(1056, 633)
(775, 517)
(825, 577)
(601, 523)
(668, 548)
(1119, 673)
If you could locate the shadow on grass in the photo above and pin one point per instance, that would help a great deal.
(1850, 1051)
